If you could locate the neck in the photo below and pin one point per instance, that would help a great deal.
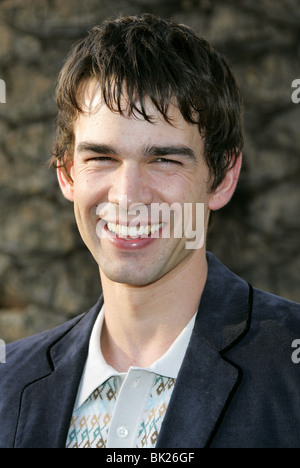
(141, 322)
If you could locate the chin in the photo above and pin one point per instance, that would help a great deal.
(128, 276)
(130, 280)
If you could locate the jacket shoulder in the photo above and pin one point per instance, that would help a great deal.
(46, 361)
(27, 357)
(24, 359)
(269, 307)
(24, 351)
(267, 345)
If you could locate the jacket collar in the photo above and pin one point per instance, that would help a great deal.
(208, 379)
(224, 313)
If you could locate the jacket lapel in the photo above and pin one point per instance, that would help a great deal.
(207, 379)
(199, 397)
(47, 402)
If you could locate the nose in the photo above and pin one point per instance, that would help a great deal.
(130, 187)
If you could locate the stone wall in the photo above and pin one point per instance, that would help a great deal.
(46, 273)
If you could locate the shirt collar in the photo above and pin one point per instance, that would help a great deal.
(96, 370)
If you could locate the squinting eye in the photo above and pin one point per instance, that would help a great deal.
(101, 158)
(167, 161)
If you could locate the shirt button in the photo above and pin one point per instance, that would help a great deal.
(136, 382)
(122, 432)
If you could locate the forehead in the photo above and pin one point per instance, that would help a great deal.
(98, 121)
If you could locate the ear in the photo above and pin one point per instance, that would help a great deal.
(223, 193)
(66, 182)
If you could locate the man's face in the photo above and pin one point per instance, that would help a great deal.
(127, 162)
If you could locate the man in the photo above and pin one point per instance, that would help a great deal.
(179, 352)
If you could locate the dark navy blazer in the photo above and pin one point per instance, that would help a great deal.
(238, 385)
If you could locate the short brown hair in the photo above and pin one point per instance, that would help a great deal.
(148, 57)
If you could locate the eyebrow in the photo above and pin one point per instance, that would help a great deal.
(169, 151)
(151, 150)
(96, 148)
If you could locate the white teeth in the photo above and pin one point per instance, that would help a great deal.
(147, 229)
(132, 231)
(123, 230)
(154, 229)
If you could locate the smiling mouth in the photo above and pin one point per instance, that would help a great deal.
(133, 232)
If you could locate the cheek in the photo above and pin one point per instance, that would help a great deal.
(171, 185)
(185, 188)
(88, 191)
